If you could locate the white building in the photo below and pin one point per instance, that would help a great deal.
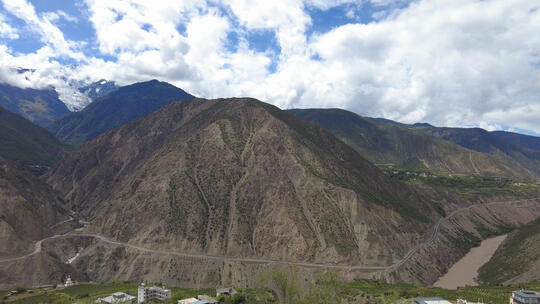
(431, 301)
(118, 297)
(201, 299)
(69, 282)
(462, 301)
(187, 301)
(147, 294)
(525, 297)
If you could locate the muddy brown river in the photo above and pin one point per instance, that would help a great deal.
(465, 271)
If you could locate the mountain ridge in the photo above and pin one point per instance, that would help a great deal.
(116, 109)
(388, 142)
(26, 144)
(527, 141)
(229, 162)
(98, 89)
(42, 107)
(480, 140)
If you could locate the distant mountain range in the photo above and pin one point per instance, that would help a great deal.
(422, 146)
(530, 142)
(115, 109)
(27, 144)
(155, 167)
(382, 141)
(513, 149)
(42, 107)
(74, 93)
(98, 89)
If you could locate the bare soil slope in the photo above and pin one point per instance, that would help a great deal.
(238, 177)
(28, 207)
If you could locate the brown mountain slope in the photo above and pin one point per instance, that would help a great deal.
(28, 209)
(404, 147)
(238, 177)
(518, 156)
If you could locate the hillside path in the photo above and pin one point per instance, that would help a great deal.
(397, 264)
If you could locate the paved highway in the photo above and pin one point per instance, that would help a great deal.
(397, 264)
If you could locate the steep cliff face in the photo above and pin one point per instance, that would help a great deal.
(234, 178)
(493, 216)
(238, 177)
(28, 209)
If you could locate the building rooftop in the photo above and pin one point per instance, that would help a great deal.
(527, 293)
(431, 301)
(118, 297)
(154, 288)
(188, 300)
(462, 301)
(206, 298)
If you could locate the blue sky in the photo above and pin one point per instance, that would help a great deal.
(322, 20)
(449, 63)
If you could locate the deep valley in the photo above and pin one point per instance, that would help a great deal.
(213, 192)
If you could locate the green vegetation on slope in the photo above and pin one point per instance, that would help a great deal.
(469, 186)
(281, 285)
(89, 292)
(327, 288)
(520, 251)
(389, 293)
(384, 141)
(480, 140)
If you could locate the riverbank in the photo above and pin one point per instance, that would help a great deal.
(465, 271)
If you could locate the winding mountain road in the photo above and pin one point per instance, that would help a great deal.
(437, 227)
(397, 264)
(62, 222)
(37, 249)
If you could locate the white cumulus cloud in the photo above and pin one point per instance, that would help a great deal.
(6, 30)
(455, 63)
